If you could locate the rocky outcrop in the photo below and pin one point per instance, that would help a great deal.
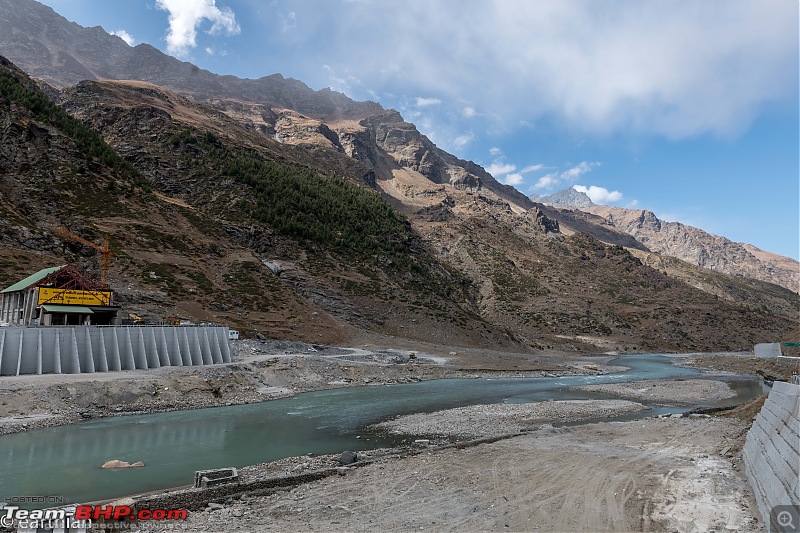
(566, 198)
(701, 248)
(293, 128)
(577, 221)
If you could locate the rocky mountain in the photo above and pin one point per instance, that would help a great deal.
(566, 198)
(302, 214)
(701, 248)
(63, 53)
(216, 221)
(674, 239)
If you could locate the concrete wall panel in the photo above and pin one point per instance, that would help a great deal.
(83, 349)
(771, 453)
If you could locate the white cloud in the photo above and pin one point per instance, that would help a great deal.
(288, 21)
(498, 168)
(532, 168)
(495, 151)
(342, 83)
(599, 195)
(462, 140)
(553, 179)
(513, 179)
(423, 102)
(185, 17)
(677, 69)
(469, 112)
(125, 36)
(576, 171)
(546, 182)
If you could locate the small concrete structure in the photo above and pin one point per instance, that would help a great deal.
(212, 478)
(767, 350)
(772, 451)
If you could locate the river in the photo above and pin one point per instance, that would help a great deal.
(64, 461)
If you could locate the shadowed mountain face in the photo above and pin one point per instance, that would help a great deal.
(62, 53)
(302, 213)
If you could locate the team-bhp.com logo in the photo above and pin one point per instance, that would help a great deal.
(83, 515)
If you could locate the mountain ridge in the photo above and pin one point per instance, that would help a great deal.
(675, 239)
(701, 248)
(485, 275)
(569, 197)
(476, 261)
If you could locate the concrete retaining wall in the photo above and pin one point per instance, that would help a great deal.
(767, 350)
(772, 450)
(81, 349)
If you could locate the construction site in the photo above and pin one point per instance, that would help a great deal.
(62, 320)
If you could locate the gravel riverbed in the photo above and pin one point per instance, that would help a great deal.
(500, 419)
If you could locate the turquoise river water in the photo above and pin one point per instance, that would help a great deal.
(64, 461)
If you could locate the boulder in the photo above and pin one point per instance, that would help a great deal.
(348, 458)
(116, 463)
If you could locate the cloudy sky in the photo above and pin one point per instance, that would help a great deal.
(686, 108)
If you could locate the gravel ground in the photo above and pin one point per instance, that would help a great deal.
(648, 475)
(501, 419)
(667, 392)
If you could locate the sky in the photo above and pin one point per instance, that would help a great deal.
(685, 108)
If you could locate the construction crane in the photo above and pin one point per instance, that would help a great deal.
(105, 251)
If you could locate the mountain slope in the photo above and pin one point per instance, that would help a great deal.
(470, 270)
(701, 248)
(261, 216)
(220, 238)
(63, 53)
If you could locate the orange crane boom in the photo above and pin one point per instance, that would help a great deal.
(105, 251)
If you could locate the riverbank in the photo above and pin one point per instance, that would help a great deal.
(475, 421)
(264, 370)
(657, 474)
(667, 391)
(275, 369)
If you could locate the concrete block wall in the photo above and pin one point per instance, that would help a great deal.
(772, 450)
(82, 349)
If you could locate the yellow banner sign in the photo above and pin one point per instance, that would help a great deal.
(73, 297)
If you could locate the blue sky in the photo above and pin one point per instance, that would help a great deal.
(689, 109)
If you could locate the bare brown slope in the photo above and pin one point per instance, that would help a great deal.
(176, 143)
(701, 248)
(522, 276)
(488, 273)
